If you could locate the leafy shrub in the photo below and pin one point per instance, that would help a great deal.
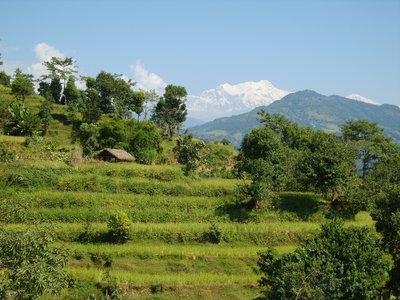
(101, 259)
(339, 263)
(118, 227)
(21, 121)
(30, 267)
(217, 159)
(187, 152)
(6, 155)
(214, 234)
(109, 287)
(88, 235)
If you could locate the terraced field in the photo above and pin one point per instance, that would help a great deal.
(168, 255)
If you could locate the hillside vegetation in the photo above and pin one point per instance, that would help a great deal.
(186, 219)
(169, 252)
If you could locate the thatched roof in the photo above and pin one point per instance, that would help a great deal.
(118, 154)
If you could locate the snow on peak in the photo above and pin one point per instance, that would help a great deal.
(362, 99)
(227, 99)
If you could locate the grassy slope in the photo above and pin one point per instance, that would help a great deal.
(167, 249)
(167, 257)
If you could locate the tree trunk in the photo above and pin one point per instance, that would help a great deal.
(335, 198)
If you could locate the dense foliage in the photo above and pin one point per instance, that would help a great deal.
(30, 266)
(339, 263)
(170, 112)
(142, 139)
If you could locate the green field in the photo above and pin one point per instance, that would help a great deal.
(167, 256)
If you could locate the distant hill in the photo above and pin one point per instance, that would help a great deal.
(307, 108)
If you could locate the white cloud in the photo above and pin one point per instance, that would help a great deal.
(147, 80)
(44, 52)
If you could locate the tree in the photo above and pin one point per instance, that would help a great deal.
(71, 92)
(369, 141)
(291, 134)
(22, 85)
(30, 266)
(328, 165)
(339, 263)
(56, 89)
(187, 152)
(4, 78)
(44, 88)
(45, 113)
(1, 62)
(61, 69)
(170, 112)
(104, 85)
(383, 184)
(386, 213)
(144, 141)
(88, 138)
(90, 106)
(150, 97)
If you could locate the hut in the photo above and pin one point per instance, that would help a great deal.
(113, 155)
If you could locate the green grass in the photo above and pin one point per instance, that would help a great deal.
(268, 234)
(129, 170)
(160, 250)
(95, 183)
(169, 279)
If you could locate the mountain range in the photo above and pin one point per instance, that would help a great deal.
(228, 100)
(307, 108)
(232, 99)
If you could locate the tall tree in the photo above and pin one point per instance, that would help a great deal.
(22, 85)
(150, 98)
(170, 112)
(369, 142)
(61, 69)
(55, 89)
(71, 92)
(328, 165)
(44, 88)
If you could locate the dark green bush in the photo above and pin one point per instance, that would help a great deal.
(214, 234)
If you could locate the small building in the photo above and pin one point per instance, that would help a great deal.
(114, 155)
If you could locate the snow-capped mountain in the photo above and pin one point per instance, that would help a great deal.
(362, 99)
(227, 100)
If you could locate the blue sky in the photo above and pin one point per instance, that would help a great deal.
(336, 47)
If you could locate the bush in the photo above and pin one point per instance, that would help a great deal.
(21, 121)
(6, 155)
(339, 263)
(187, 152)
(88, 234)
(30, 267)
(118, 227)
(214, 234)
(217, 159)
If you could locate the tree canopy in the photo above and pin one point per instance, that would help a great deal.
(170, 112)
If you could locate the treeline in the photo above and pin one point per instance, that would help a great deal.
(107, 112)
